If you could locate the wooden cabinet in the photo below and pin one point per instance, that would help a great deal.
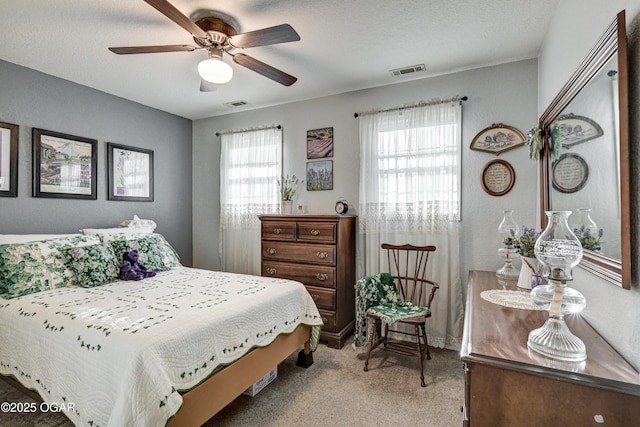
(319, 251)
(507, 385)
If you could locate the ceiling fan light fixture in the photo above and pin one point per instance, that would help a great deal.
(214, 70)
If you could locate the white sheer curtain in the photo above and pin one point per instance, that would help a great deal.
(250, 163)
(410, 193)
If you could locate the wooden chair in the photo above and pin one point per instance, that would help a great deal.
(407, 265)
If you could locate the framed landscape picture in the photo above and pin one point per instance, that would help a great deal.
(64, 166)
(8, 160)
(320, 143)
(130, 173)
(320, 175)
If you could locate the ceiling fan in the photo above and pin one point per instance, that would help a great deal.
(218, 36)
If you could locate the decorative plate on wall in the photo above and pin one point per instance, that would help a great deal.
(497, 139)
(498, 177)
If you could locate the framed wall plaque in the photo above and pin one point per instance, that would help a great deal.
(64, 166)
(130, 171)
(498, 177)
(570, 173)
(8, 160)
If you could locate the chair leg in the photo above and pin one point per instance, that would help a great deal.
(426, 341)
(372, 336)
(420, 355)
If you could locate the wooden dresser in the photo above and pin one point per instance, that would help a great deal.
(319, 251)
(507, 385)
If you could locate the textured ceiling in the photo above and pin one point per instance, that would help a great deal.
(344, 46)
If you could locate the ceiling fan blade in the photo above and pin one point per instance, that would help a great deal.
(273, 35)
(264, 69)
(168, 10)
(128, 50)
(206, 86)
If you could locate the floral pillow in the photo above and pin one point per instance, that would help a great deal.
(93, 265)
(31, 267)
(169, 257)
(149, 254)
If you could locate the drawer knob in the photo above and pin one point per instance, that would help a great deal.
(324, 320)
(321, 255)
(322, 276)
(277, 231)
(315, 297)
(315, 232)
(271, 251)
(271, 271)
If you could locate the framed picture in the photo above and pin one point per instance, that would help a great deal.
(498, 177)
(64, 166)
(130, 173)
(497, 139)
(320, 175)
(8, 160)
(576, 129)
(320, 143)
(570, 173)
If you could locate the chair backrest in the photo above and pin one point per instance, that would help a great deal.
(408, 266)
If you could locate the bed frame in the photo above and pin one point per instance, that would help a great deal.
(216, 392)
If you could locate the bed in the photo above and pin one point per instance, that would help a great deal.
(174, 348)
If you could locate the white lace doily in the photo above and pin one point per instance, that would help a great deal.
(511, 299)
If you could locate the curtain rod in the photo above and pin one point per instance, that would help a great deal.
(420, 104)
(229, 132)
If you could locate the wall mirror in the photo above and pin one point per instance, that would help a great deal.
(590, 174)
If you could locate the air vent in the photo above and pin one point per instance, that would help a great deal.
(408, 70)
(235, 104)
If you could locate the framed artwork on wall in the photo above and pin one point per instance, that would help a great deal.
(575, 129)
(497, 139)
(498, 177)
(570, 173)
(64, 166)
(8, 160)
(320, 175)
(130, 173)
(320, 143)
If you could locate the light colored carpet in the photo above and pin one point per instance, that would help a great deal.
(335, 391)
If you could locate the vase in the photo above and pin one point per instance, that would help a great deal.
(558, 250)
(287, 207)
(529, 276)
(509, 230)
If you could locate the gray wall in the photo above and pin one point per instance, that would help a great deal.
(500, 94)
(611, 310)
(33, 99)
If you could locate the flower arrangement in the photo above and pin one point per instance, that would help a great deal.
(535, 141)
(587, 239)
(526, 242)
(289, 186)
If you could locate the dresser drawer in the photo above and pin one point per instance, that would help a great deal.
(329, 319)
(323, 297)
(272, 230)
(315, 275)
(321, 232)
(305, 253)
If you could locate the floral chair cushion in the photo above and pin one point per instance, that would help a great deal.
(93, 265)
(37, 266)
(378, 295)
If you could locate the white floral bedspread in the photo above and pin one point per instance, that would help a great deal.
(121, 352)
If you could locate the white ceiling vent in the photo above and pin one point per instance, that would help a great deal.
(408, 70)
(235, 104)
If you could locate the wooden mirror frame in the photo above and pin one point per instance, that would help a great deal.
(614, 40)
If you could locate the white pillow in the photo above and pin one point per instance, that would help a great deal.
(25, 238)
(116, 230)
